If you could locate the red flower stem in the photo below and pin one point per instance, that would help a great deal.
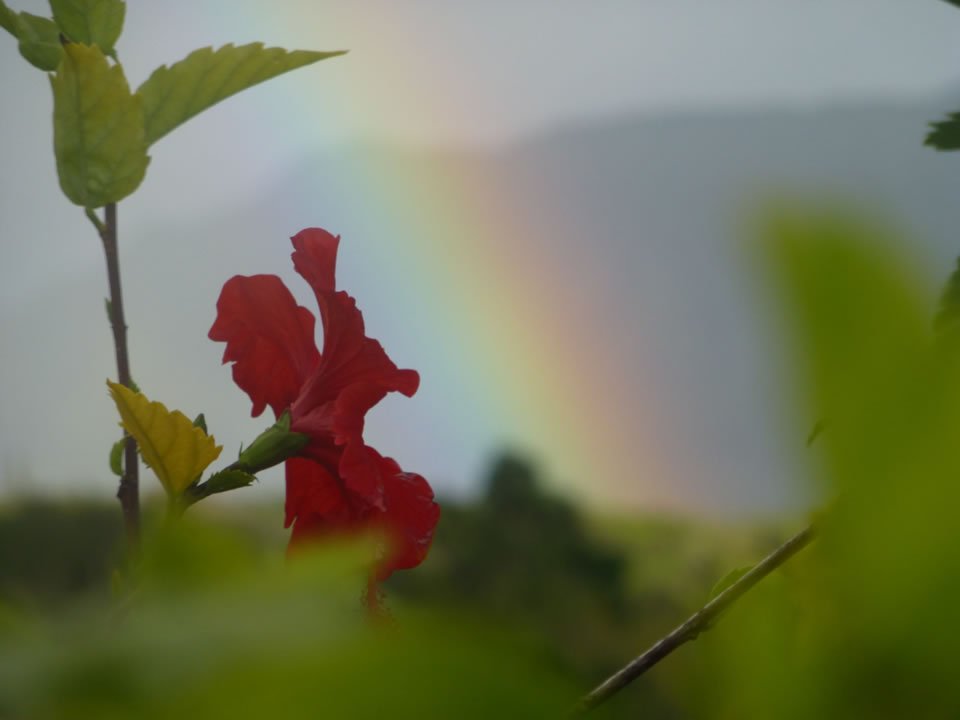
(697, 623)
(129, 490)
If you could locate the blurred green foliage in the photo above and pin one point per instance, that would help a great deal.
(218, 627)
(520, 582)
(862, 624)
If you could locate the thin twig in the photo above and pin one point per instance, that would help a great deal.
(697, 623)
(129, 491)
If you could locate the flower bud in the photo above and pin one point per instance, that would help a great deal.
(274, 445)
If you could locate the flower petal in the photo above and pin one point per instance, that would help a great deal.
(315, 258)
(349, 356)
(342, 418)
(361, 473)
(409, 517)
(314, 497)
(269, 338)
(319, 505)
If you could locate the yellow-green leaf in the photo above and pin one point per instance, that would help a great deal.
(98, 131)
(172, 95)
(174, 448)
(39, 41)
(91, 22)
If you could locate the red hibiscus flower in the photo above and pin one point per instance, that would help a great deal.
(336, 483)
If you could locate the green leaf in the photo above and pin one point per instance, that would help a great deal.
(172, 95)
(726, 581)
(97, 129)
(91, 22)
(945, 135)
(8, 20)
(116, 457)
(39, 41)
(723, 584)
(201, 422)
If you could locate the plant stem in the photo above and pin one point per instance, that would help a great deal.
(129, 490)
(697, 623)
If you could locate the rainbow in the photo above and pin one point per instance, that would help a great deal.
(507, 359)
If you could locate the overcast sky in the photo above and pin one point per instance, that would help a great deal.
(519, 65)
(443, 71)
(448, 72)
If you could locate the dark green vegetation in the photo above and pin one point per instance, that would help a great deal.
(52, 553)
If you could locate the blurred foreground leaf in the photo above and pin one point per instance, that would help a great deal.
(863, 624)
(172, 95)
(221, 632)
